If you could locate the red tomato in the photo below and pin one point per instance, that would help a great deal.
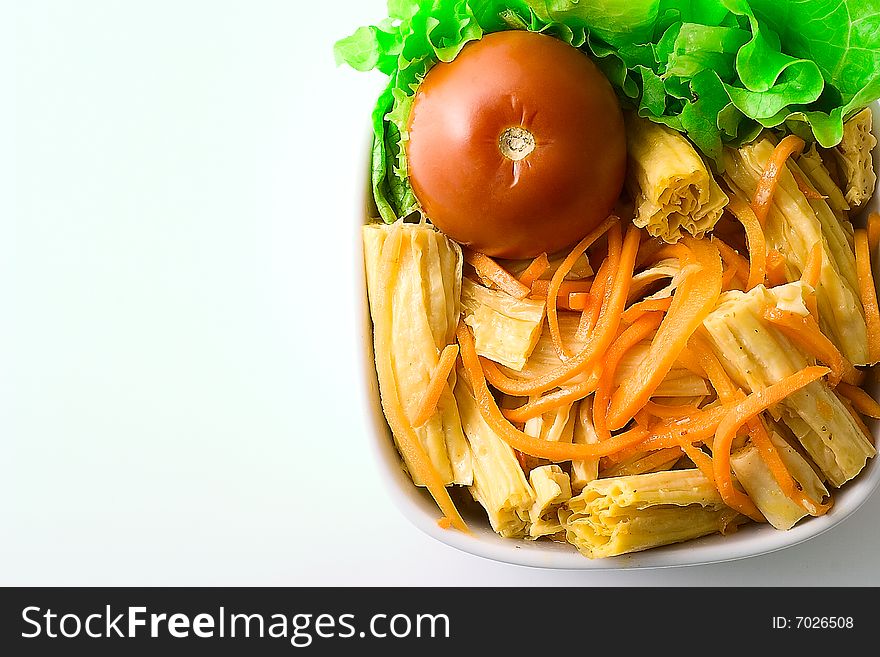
(517, 146)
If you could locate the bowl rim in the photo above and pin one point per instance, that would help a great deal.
(415, 504)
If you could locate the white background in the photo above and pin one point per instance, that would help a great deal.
(179, 325)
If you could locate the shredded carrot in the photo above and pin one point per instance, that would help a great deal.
(678, 431)
(770, 455)
(688, 359)
(535, 270)
(776, 268)
(813, 268)
(581, 301)
(553, 400)
(407, 440)
(436, 385)
(677, 251)
(805, 332)
(539, 288)
(559, 276)
(444, 523)
(806, 188)
(652, 461)
(623, 258)
(733, 260)
(664, 411)
(587, 321)
(702, 460)
(756, 240)
(574, 301)
(694, 298)
(638, 309)
(725, 388)
(855, 415)
(728, 278)
(643, 328)
(604, 277)
(552, 450)
(788, 146)
(861, 400)
(873, 228)
(812, 303)
(868, 293)
(644, 419)
(490, 270)
(739, 414)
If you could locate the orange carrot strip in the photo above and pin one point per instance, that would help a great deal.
(643, 419)
(694, 298)
(855, 415)
(581, 300)
(805, 187)
(407, 440)
(491, 414)
(756, 240)
(665, 411)
(676, 251)
(677, 431)
(770, 455)
(728, 278)
(873, 228)
(604, 277)
(702, 460)
(739, 414)
(540, 287)
(812, 303)
(733, 260)
(603, 334)
(652, 461)
(535, 270)
(727, 390)
(813, 267)
(638, 309)
(776, 268)
(788, 146)
(575, 301)
(724, 386)
(861, 400)
(868, 293)
(436, 385)
(559, 276)
(490, 270)
(644, 327)
(731, 256)
(553, 400)
(688, 359)
(805, 332)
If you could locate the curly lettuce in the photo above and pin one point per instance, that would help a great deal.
(718, 71)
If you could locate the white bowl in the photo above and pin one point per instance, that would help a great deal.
(417, 505)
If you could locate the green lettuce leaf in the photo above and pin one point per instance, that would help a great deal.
(840, 37)
(719, 71)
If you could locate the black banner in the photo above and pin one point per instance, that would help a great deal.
(339, 621)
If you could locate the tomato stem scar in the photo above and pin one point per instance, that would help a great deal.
(516, 143)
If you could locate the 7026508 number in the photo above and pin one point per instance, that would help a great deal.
(823, 622)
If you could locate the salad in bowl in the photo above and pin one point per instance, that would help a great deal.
(619, 263)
